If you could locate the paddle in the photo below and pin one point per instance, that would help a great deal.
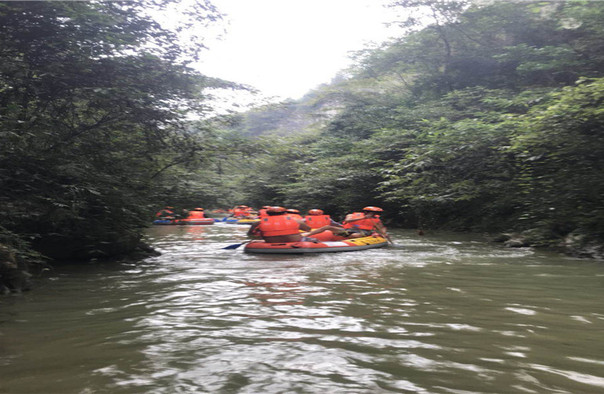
(235, 246)
(384, 235)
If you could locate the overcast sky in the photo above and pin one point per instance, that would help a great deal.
(287, 47)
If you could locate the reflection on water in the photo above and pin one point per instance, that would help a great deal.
(441, 313)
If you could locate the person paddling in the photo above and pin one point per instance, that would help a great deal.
(316, 218)
(365, 222)
(358, 224)
(278, 227)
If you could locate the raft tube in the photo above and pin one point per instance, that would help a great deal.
(168, 222)
(247, 221)
(241, 221)
(196, 221)
(328, 236)
(165, 221)
(347, 245)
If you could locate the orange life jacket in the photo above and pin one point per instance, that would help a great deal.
(196, 215)
(238, 212)
(262, 213)
(316, 221)
(272, 226)
(164, 212)
(365, 224)
(294, 216)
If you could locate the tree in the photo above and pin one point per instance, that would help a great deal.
(93, 103)
(562, 156)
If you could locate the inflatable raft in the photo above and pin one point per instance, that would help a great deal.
(328, 236)
(165, 221)
(241, 221)
(196, 221)
(347, 245)
(247, 221)
(200, 221)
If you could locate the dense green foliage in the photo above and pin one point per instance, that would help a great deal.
(487, 119)
(93, 104)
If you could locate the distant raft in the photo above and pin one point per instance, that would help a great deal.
(194, 221)
(165, 222)
(241, 220)
(347, 245)
(197, 221)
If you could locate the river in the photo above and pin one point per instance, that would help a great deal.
(442, 313)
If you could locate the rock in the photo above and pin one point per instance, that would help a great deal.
(148, 249)
(511, 240)
(12, 278)
(579, 245)
(502, 237)
(517, 242)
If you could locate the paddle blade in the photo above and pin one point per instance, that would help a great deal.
(234, 246)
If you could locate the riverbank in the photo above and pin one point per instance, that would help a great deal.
(574, 244)
(19, 265)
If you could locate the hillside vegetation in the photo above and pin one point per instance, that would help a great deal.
(488, 119)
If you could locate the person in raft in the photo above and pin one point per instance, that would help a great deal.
(196, 213)
(357, 224)
(262, 211)
(294, 213)
(316, 218)
(241, 211)
(277, 227)
(166, 213)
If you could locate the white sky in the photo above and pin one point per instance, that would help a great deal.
(285, 48)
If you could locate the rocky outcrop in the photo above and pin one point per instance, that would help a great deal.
(580, 245)
(62, 248)
(575, 244)
(14, 275)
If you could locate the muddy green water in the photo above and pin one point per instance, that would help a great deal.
(443, 313)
